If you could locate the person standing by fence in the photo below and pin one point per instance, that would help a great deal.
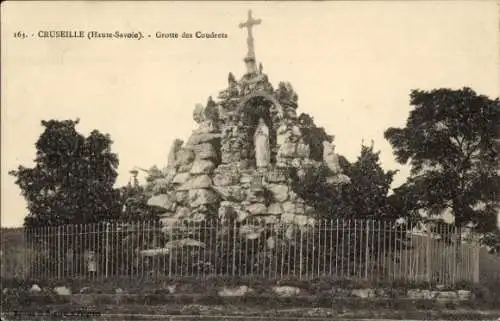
(91, 263)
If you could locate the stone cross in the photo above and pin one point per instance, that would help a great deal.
(249, 24)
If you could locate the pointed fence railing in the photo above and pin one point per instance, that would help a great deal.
(338, 249)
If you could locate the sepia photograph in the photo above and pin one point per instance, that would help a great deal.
(250, 160)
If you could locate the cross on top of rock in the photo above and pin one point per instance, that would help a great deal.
(249, 25)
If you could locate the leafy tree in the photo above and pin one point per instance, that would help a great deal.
(364, 197)
(73, 177)
(370, 185)
(135, 207)
(451, 142)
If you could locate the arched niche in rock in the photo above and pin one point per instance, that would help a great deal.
(251, 109)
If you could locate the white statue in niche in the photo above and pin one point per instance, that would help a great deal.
(261, 144)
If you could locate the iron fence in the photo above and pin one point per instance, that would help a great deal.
(361, 249)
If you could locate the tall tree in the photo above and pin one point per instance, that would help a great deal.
(73, 177)
(451, 143)
(370, 185)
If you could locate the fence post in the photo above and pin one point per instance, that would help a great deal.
(300, 254)
(26, 253)
(234, 248)
(59, 251)
(106, 251)
(428, 255)
(476, 249)
(367, 256)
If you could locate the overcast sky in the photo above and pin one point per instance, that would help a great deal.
(352, 64)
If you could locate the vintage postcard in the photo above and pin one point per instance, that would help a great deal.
(242, 160)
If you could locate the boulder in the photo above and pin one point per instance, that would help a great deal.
(171, 288)
(257, 208)
(286, 291)
(225, 178)
(182, 212)
(62, 290)
(287, 218)
(35, 288)
(181, 197)
(242, 290)
(184, 242)
(205, 151)
(418, 294)
(185, 168)
(414, 294)
(230, 193)
(201, 138)
(275, 208)
(165, 201)
(184, 157)
(464, 295)
(198, 197)
(181, 178)
(279, 192)
(255, 195)
(289, 207)
(201, 166)
(446, 296)
(246, 178)
(230, 157)
(270, 219)
(237, 193)
(196, 182)
(303, 220)
(251, 232)
(363, 293)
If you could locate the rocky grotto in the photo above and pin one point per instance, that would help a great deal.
(236, 164)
